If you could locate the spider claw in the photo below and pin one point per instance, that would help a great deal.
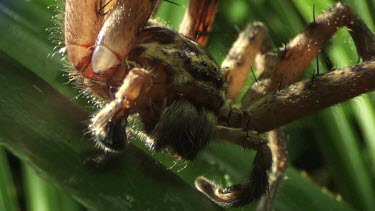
(231, 189)
(225, 197)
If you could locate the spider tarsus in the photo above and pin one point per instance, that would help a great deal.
(108, 127)
(112, 137)
(241, 194)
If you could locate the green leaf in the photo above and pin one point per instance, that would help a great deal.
(43, 196)
(8, 200)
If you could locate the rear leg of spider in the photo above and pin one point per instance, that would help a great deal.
(251, 190)
(253, 43)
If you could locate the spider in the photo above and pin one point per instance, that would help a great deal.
(137, 67)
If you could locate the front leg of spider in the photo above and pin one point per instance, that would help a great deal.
(108, 126)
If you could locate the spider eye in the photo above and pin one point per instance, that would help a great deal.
(204, 64)
(215, 69)
(219, 82)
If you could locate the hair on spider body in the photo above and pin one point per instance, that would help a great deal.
(185, 128)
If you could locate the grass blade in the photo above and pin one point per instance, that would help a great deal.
(42, 196)
(8, 200)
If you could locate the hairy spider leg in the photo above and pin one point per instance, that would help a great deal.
(241, 194)
(300, 51)
(198, 20)
(250, 46)
(107, 126)
(328, 23)
(305, 46)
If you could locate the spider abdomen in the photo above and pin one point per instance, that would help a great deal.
(184, 128)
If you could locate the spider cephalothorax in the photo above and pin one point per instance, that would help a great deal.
(178, 90)
(187, 90)
(190, 89)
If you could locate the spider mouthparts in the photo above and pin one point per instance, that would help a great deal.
(103, 59)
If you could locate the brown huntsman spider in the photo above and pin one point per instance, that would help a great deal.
(183, 98)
